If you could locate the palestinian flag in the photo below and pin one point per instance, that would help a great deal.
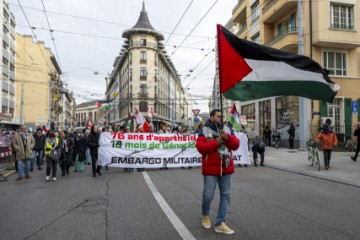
(141, 121)
(234, 118)
(103, 106)
(250, 71)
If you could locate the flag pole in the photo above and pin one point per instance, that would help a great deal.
(220, 70)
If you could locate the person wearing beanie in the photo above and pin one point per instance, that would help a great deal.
(52, 143)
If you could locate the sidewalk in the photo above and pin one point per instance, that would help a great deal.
(343, 169)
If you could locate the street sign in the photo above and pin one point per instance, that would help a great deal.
(196, 120)
(316, 113)
(196, 112)
(354, 107)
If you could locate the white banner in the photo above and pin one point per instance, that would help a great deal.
(148, 150)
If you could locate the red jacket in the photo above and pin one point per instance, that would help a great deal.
(211, 162)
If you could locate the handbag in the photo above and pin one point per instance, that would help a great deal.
(55, 154)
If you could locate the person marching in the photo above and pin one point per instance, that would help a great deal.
(23, 144)
(357, 134)
(66, 155)
(38, 149)
(267, 136)
(52, 143)
(94, 146)
(215, 146)
(329, 141)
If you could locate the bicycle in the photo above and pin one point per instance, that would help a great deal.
(313, 154)
(350, 145)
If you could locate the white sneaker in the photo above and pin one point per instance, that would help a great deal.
(54, 179)
(47, 178)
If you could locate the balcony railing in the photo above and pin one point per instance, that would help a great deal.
(141, 44)
(237, 5)
(143, 60)
(342, 26)
(241, 30)
(143, 77)
(280, 35)
(268, 5)
(143, 95)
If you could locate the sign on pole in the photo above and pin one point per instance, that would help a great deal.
(196, 112)
(354, 107)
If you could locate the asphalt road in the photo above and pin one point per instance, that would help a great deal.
(266, 204)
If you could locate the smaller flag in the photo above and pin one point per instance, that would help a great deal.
(89, 124)
(141, 121)
(234, 118)
(44, 129)
(103, 106)
(129, 120)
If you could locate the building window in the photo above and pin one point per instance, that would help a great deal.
(143, 106)
(131, 74)
(12, 23)
(130, 58)
(335, 62)
(256, 38)
(5, 61)
(131, 91)
(155, 59)
(4, 109)
(143, 90)
(143, 56)
(5, 29)
(12, 67)
(143, 73)
(143, 42)
(5, 46)
(341, 16)
(6, 15)
(255, 11)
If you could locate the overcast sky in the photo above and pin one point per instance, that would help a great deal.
(88, 34)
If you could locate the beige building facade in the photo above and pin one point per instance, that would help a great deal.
(38, 84)
(145, 78)
(331, 36)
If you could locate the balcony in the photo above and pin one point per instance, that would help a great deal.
(286, 40)
(239, 11)
(141, 44)
(143, 61)
(336, 36)
(273, 10)
(241, 30)
(143, 95)
(5, 86)
(143, 77)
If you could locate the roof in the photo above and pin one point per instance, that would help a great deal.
(143, 21)
(143, 25)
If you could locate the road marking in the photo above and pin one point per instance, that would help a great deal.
(176, 222)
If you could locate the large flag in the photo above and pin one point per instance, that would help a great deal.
(103, 106)
(251, 71)
(150, 113)
(141, 121)
(234, 118)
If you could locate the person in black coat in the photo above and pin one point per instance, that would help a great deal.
(267, 136)
(80, 147)
(258, 147)
(94, 146)
(357, 134)
(291, 133)
(39, 147)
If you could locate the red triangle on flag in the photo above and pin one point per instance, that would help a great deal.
(232, 67)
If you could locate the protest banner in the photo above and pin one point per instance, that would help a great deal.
(148, 150)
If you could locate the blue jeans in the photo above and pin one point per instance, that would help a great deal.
(88, 156)
(210, 183)
(38, 157)
(21, 164)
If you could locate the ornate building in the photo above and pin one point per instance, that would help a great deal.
(144, 77)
